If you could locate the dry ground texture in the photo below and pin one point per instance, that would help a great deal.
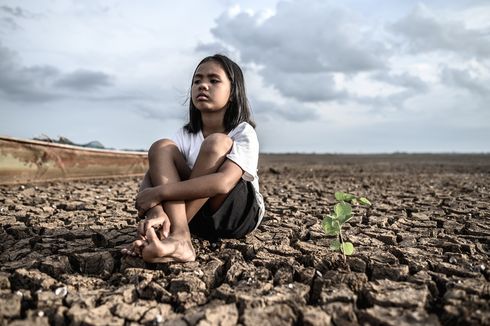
(422, 251)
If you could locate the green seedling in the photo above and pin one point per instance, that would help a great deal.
(332, 223)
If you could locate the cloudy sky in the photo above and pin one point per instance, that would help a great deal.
(322, 76)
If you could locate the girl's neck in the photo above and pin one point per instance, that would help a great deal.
(212, 123)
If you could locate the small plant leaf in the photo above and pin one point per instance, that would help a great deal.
(348, 248)
(364, 201)
(330, 225)
(342, 196)
(346, 219)
(343, 212)
(335, 245)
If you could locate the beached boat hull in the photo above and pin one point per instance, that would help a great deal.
(31, 161)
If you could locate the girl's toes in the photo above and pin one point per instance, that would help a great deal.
(126, 251)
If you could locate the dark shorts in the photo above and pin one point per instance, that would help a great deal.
(237, 216)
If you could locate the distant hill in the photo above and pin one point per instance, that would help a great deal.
(66, 141)
(93, 144)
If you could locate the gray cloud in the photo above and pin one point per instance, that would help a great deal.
(9, 23)
(42, 72)
(292, 111)
(164, 104)
(403, 80)
(84, 80)
(18, 83)
(410, 86)
(162, 113)
(214, 47)
(313, 87)
(303, 36)
(42, 83)
(16, 12)
(12, 15)
(423, 32)
(395, 100)
(463, 79)
(301, 46)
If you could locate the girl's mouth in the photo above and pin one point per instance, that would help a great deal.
(202, 97)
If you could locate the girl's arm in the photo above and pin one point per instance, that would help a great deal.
(220, 182)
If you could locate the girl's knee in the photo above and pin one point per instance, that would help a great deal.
(217, 144)
(161, 145)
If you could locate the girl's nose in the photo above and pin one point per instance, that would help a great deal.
(203, 86)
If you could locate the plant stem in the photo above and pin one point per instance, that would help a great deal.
(342, 243)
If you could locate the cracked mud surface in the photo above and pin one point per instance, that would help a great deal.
(422, 251)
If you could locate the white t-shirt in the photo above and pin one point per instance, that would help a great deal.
(245, 153)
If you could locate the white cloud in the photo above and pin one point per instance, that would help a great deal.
(303, 36)
(424, 31)
(301, 45)
(321, 75)
(466, 79)
(319, 52)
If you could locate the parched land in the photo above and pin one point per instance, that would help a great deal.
(422, 250)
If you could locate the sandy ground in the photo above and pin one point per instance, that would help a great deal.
(422, 251)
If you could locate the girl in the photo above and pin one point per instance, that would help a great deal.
(203, 180)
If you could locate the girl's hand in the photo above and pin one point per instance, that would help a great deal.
(146, 199)
(135, 248)
(157, 219)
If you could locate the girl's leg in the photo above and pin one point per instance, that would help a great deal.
(211, 156)
(165, 163)
(166, 166)
(156, 216)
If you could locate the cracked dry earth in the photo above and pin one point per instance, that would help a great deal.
(421, 251)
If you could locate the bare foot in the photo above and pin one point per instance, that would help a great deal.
(135, 248)
(171, 249)
(156, 218)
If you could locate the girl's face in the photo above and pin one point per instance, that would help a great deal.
(211, 87)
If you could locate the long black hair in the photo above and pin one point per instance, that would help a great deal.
(238, 110)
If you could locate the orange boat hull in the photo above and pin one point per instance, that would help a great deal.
(24, 161)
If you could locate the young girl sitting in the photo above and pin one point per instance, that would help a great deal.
(204, 180)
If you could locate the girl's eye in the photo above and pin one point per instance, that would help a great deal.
(196, 81)
(214, 81)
